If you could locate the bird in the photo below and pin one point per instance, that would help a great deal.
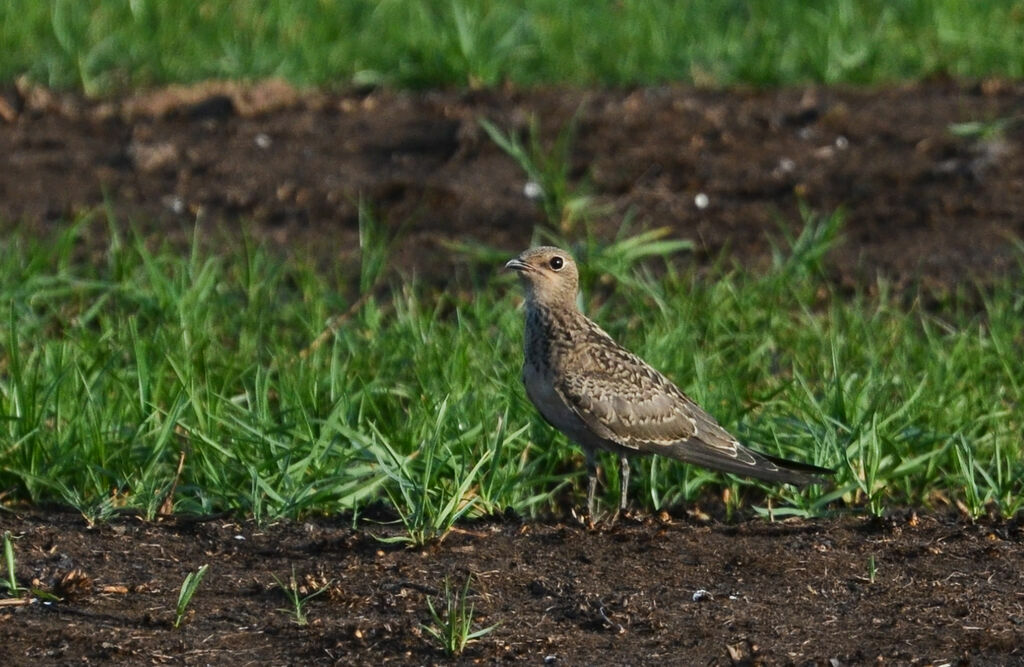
(605, 398)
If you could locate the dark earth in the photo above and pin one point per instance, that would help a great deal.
(796, 592)
(927, 209)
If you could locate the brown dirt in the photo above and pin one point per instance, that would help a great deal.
(796, 592)
(921, 206)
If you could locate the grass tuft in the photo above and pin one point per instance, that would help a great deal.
(298, 597)
(189, 586)
(11, 583)
(452, 627)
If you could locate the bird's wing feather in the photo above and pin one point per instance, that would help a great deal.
(623, 400)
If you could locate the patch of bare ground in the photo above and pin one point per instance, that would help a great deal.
(651, 591)
(922, 205)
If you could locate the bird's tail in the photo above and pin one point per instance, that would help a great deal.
(749, 463)
(798, 473)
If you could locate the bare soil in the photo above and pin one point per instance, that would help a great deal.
(645, 592)
(923, 208)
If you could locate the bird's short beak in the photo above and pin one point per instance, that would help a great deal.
(516, 265)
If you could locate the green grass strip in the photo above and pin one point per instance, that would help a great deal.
(111, 370)
(113, 45)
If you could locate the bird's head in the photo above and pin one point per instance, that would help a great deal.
(549, 275)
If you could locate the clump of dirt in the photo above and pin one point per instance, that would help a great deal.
(851, 590)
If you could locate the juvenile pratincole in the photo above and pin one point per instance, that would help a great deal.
(604, 397)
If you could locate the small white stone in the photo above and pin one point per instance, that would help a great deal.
(701, 201)
(532, 190)
(700, 595)
(842, 143)
(263, 140)
(786, 165)
(175, 203)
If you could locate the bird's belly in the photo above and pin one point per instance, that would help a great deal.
(549, 403)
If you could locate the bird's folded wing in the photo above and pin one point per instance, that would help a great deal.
(622, 400)
(634, 406)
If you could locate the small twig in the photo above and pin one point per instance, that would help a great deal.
(610, 622)
(167, 506)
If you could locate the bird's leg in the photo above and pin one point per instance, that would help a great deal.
(623, 482)
(591, 483)
(623, 488)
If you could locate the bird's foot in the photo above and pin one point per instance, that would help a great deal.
(598, 520)
(625, 515)
(585, 519)
(631, 515)
(604, 521)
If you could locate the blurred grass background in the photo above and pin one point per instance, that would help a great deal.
(110, 46)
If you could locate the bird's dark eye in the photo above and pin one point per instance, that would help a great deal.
(556, 263)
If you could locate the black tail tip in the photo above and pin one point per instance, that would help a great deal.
(803, 473)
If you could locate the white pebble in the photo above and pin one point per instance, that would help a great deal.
(532, 190)
(175, 203)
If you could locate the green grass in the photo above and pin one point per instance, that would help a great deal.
(297, 598)
(189, 586)
(452, 627)
(11, 583)
(120, 44)
(109, 369)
